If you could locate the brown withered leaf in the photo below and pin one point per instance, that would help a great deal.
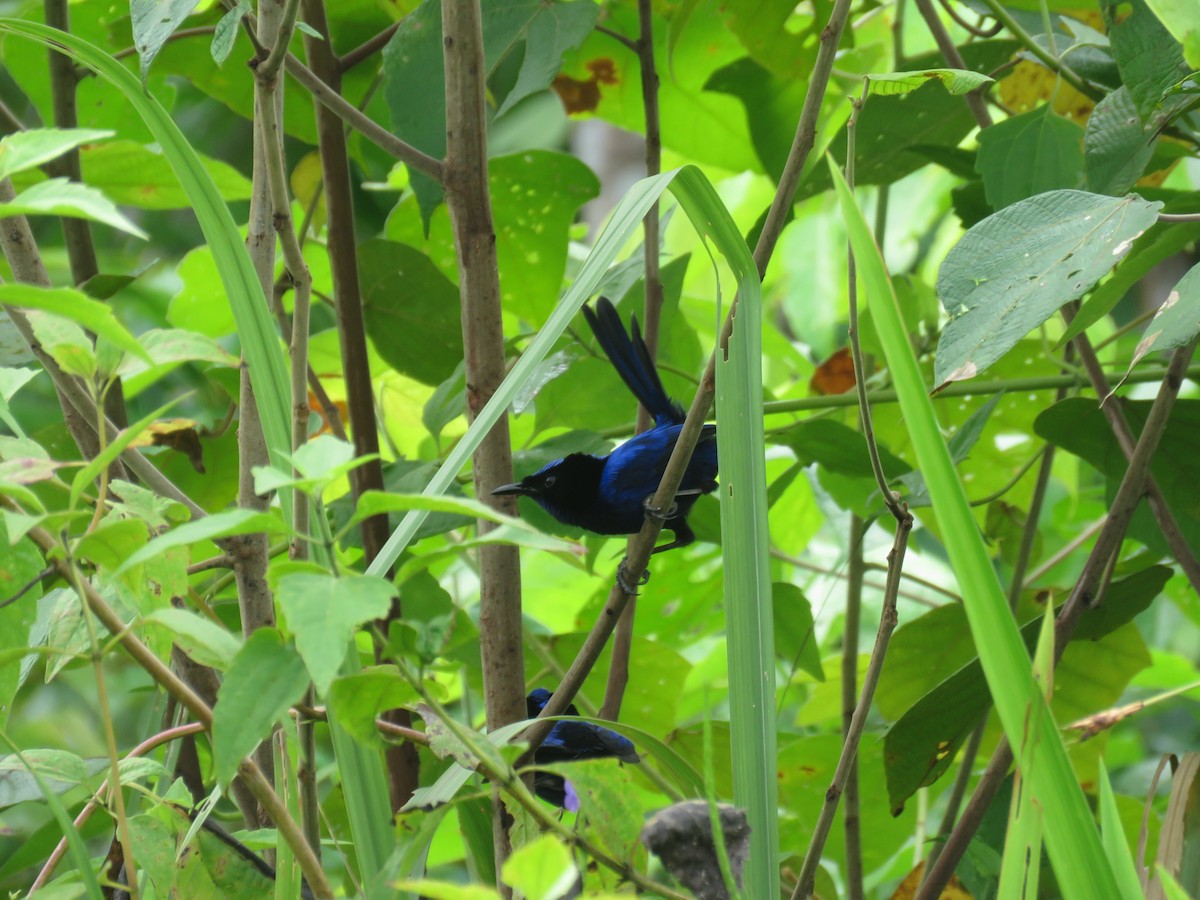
(583, 95)
(178, 434)
(338, 408)
(908, 887)
(835, 375)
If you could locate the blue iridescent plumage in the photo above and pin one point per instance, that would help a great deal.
(569, 742)
(607, 494)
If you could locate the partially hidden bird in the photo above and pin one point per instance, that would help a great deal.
(570, 742)
(610, 494)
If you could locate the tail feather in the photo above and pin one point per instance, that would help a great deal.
(631, 358)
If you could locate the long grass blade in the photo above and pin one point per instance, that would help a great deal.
(1070, 832)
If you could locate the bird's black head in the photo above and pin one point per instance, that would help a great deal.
(537, 700)
(565, 488)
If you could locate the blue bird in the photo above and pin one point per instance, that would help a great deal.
(568, 742)
(608, 494)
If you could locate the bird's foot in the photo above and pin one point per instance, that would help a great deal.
(623, 579)
(655, 514)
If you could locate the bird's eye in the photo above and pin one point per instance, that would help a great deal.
(550, 479)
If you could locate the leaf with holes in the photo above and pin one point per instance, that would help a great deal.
(1176, 321)
(1013, 270)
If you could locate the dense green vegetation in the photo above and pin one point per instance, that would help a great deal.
(259, 373)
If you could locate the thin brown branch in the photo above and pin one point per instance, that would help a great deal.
(469, 203)
(887, 624)
(25, 261)
(975, 30)
(1117, 422)
(851, 819)
(362, 52)
(403, 765)
(181, 34)
(628, 43)
(618, 670)
(852, 732)
(806, 133)
(268, 70)
(347, 112)
(360, 122)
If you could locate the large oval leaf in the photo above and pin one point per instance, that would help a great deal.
(1013, 270)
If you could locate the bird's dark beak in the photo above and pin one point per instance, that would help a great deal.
(517, 488)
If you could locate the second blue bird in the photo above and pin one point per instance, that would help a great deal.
(608, 494)
(570, 742)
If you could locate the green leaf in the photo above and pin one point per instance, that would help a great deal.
(218, 525)
(136, 175)
(109, 544)
(36, 146)
(20, 563)
(795, 636)
(536, 196)
(444, 890)
(1182, 19)
(114, 448)
(60, 197)
(360, 698)
(1158, 243)
(934, 687)
(170, 346)
(266, 678)
(227, 31)
(1029, 154)
(541, 870)
(323, 612)
(1113, 836)
(540, 32)
(956, 81)
(1149, 58)
(202, 639)
(72, 304)
(553, 29)
(1014, 270)
(154, 21)
(1117, 145)
(1079, 426)
(893, 132)
(79, 854)
(1177, 320)
(60, 768)
(411, 310)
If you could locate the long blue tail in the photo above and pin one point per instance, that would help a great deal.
(632, 361)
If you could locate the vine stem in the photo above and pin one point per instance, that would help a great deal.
(618, 670)
(888, 616)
